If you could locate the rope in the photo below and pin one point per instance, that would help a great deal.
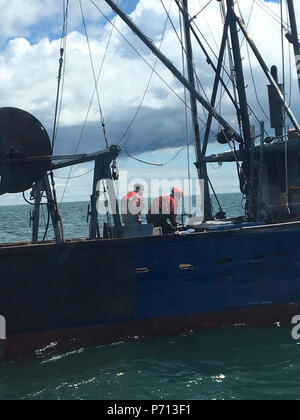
(186, 115)
(89, 109)
(154, 164)
(203, 8)
(147, 87)
(75, 177)
(285, 115)
(272, 14)
(61, 74)
(146, 62)
(94, 75)
(254, 84)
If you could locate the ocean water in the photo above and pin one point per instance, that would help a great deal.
(226, 363)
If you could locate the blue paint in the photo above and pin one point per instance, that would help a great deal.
(231, 271)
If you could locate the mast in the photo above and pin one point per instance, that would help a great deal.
(246, 188)
(201, 166)
(156, 51)
(293, 36)
(239, 75)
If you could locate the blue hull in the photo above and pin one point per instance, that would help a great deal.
(110, 290)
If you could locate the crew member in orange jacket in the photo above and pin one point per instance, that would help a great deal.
(132, 206)
(164, 210)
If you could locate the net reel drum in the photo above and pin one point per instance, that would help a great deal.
(25, 151)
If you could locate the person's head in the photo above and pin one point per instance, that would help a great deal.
(139, 188)
(177, 192)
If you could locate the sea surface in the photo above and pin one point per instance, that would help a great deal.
(221, 364)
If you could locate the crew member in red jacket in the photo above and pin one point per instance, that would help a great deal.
(132, 206)
(164, 210)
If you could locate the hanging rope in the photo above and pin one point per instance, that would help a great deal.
(94, 75)
(61, 73)
(151, 163)
(58, 107)
(89, 108)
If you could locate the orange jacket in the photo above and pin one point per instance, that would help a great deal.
(166, 206)
(130, 200)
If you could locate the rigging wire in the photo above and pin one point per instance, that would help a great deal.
(146, 62)
(209, 28)
(94, 74)
(61, 72)
(183, 57)
(147, 87)
(76, 176)
(154, 164)
(89, 107)
(254, 84)
(202, 10)
(285, 113)
(272, 14)
(253, 113)
(183, 48)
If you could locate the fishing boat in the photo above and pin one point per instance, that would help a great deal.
(112, 286)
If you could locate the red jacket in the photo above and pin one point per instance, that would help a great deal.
(131, 200)
(166, 206)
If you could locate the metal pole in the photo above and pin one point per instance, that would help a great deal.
(36, 212)
(102, 172)
(239, 75)
(216, 86)
(172, 68)
(53, 213)
(94, 223)
(209, 60)
(261, 169)
(201, 166)
(294, 37)
(267, 72)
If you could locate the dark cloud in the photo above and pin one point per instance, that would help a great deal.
(152, 130)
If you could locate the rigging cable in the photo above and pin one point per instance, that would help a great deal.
(76, 176)
(94, 75)
(186, 114)
(184, 49)
(254, 84)
(285, 114)
(61, 73)
(253, 113)
(154, 164)
(180, 38)
(203, 8)
(58, 107)
(146, 62)
(272, 14)
(147, 87)
(89, 107)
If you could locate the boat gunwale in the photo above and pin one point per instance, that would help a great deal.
(85, 243)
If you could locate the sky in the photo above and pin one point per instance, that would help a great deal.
(30, 39)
